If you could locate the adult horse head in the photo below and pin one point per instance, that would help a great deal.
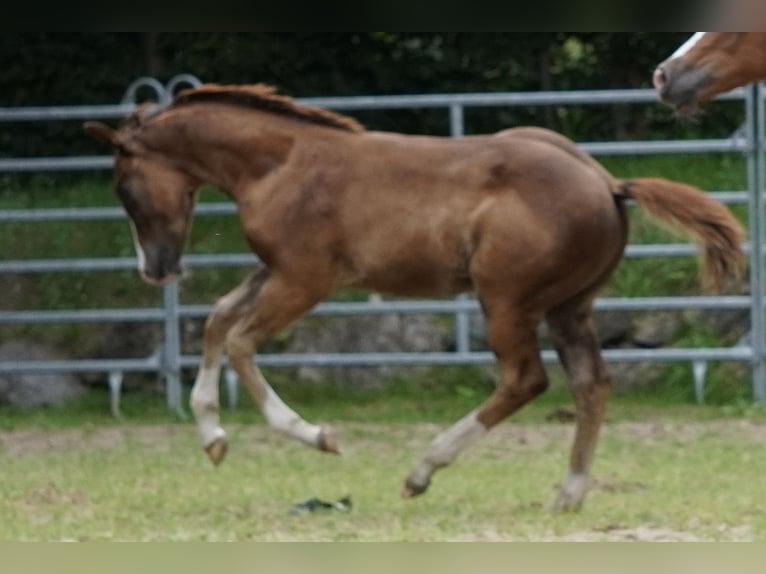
(709, 64)
(158, 198)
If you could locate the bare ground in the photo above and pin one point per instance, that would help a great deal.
(355, 436)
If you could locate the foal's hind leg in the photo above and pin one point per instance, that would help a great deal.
(522, 377)
(576, 342)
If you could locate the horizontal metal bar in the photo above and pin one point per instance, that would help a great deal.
(81, 366)
(61, 214)
(373, 360)
(339, 308)
(671, 303)
(583, 97)
(483, 358)
(59, 265)
(51, 113)
(730, 197)
(97, 213)
(81, 316)
(77, 163)
(661, 147)
(661, 250)
(118, 263)
(471, 305)
(549, 98)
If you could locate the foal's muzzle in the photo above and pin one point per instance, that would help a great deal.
(161, 267)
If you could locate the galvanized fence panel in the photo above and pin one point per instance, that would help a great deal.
(169, 362)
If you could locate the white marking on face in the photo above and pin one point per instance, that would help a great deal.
(688, 45)
(139, 249)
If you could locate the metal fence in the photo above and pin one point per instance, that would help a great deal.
(169, 362)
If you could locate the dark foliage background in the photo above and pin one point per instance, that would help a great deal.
(56, 68)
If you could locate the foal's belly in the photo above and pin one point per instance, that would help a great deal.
(417, 277)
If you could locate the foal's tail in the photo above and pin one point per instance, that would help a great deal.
(709, 222)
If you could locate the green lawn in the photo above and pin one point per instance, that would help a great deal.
(666, 478)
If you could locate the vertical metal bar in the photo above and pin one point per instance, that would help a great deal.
(699, 371)
(456, 120)
(172, 351)
(232, 387)
(755, 120)
(462, 319)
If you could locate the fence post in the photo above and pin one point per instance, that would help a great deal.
(462, 331)
(171, 356)
(755, 122)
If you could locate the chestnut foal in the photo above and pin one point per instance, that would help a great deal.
(524, 218)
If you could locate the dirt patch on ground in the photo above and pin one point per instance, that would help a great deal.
(17, 443)
(640, 533)
(358, 435)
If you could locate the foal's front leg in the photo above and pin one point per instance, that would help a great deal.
(243, 319)
(279, 302)
(204, 395)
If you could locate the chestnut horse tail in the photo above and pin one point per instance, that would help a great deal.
(709, 222)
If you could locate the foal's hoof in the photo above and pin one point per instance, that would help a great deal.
(565, 503)
(327, 441)
(216, 450)
(412, 489)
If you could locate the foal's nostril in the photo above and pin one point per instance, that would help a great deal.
(659, 78)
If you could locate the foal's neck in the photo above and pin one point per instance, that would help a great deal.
(223, 146)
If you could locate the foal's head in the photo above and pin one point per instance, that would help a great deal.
(158, 197)
(709, 64)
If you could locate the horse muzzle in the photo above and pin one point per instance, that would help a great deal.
(158, 281)
(681, 86)
(162, 269)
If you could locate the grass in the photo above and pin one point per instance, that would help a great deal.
(658, 480)
(663, 471)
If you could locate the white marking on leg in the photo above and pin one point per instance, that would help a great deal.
(284, 419)
(447, 446)
(205, 405)
(688, 45)
(572, 492)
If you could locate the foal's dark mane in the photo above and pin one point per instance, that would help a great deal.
(264, 97)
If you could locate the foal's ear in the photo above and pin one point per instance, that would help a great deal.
(102, 133)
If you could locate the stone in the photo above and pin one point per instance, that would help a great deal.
(410, 333)
(33, 390)
(656, 329)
